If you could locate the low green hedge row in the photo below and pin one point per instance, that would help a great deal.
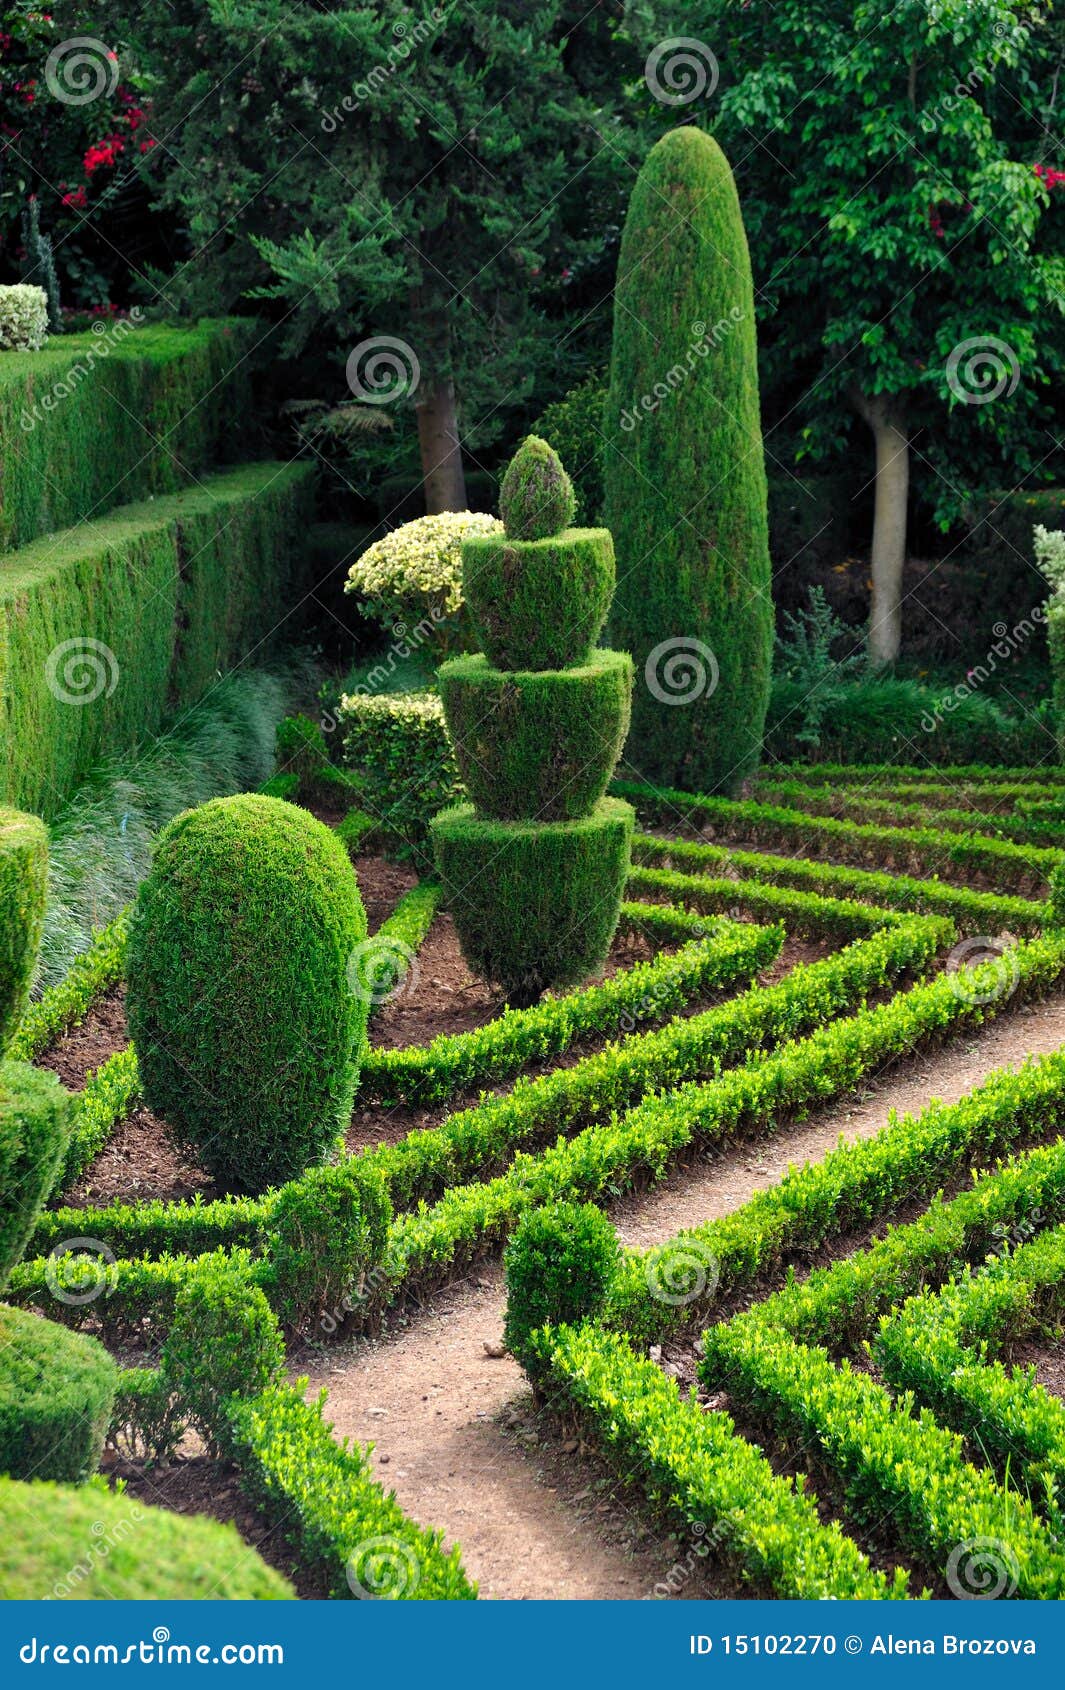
(940, 1346)
(922, 849)
(107, 1097)
(107, 626)
(807, 913)
(894, 1464)
(907, 1160)
(987, 798)
(869, 774)
(722, 1486)
(93, 421)
(322, 1494)
(646, 992)
(391, 952)
(1027, 825)
(58, 1009)
(480, 1140)
(974, 912)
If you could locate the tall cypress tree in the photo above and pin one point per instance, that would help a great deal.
(685, 475)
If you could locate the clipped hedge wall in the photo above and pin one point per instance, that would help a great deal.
(23, 886)
(98, 420)
(105, 627)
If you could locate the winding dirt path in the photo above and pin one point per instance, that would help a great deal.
(454, 1429)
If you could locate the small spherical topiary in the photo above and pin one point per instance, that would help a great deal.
(34, 1130)
(23, 887)
(67, 1543)
(536, 499)
(560, 1264)
(248, 1028)
(326, 1231)
(56, 1392)
(223, 1341)
(540, 744)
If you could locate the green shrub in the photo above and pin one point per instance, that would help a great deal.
(106, 626)
(538, 604)
(1056, 904)
(684, 474)
(560, 1264)
(223, 1341)
(536, 498)
(536, 904)
(23, 317)
(326, 1230)
(23, 889)
(86, 1543)
(56, 1393)
(540, 744)
(398, 748)
(248, 1032)
(34, 1125)
(574, 427)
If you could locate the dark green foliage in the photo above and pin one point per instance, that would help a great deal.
(247, 1029)
(45, 1550)
(397, 749)
(56, 1392)
(540, 744)
(38, 265)
(1056, 904)
(560, 1264)
(574, 427)
(223, 1341)
(34, 1124)
(538, 604)
(684, 475)
(536, 904)
(326, 1230)
(23, 889)
(301, 751)
(536, 499)
(107, 626)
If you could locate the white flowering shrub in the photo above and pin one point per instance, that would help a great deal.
(23, 318)
(415, 573)
(1050, 555)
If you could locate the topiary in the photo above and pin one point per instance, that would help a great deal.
(23, 889)
(536, 498)
(536, 899)
(249, 1032)
(86, 1543)
(57, 1389)
(34, 1130)
(223, 1341)
(327, 1230)
(684, 476)
(559, 1265)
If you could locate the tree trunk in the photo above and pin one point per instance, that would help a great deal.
(889, 526)
(438, 437)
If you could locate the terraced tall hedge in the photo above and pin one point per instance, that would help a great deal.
(684, 473)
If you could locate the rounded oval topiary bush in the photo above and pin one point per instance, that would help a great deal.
(538, 604)
(537, 903)
(56, 1393)
(537, 497)
(34, 1129)
(559, 1264)
(23, 887)
(247, 1026)
(83, 1543)
(540, 744)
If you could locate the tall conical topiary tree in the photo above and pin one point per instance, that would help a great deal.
(685, 476)
(535, 867)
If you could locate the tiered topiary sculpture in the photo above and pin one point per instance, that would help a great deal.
(535, 867)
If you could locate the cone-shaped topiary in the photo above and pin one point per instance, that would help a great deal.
(248, 1028)
(684, 474)
(536, 499)
(534, 869)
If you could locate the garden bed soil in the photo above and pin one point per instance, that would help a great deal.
(1047, 1356)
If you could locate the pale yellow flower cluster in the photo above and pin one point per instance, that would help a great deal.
(418, 566)
(423, 708)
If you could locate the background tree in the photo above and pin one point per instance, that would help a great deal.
(402, 174)
(907, 272)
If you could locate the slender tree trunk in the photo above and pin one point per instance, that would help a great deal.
(438, 438)
(889, 526)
